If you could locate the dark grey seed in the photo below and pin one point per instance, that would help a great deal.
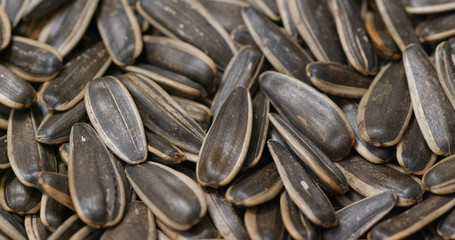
(429, 6)
(113, 113)
(370, 179)
(311, 112)
(97, 192)
(318, 163)
(397, 22)
(55, 185)
(353, 37)
(64, 30)
(202, 230)
(4, 116)
(286, 18)
(5, 28)
(172, 82)
(413, 153)
(41, 8)
(52, 213)
(439, 179)
(318, 29)
(380, 37)
(169, 54)
(15, 92)
(11, 226)
(174, 198)
(15, 9)
(413, 219)
(436, 29)
(433, 114)
(56, 126)
(30, 29)
(356, 219)
(338, 79)
(67, 229)
(189, 21)
(445, 67)
(26, 155)
(368, 151)
(87, 233)
(227, 12)
(64, 151)
(137, 223)
(161, 114)
(297, 225)
(303, 191)
(255, 187)
(348, 198)
(16, 197)
(264, 221)
(242, 71)
(385, 110)
(446, 227)
(67, 89)
(4, 162)
(35, 228)
(228, 222)
(241, 36)
(130, 195)
(225, 147)
(32, 60)
(197, 111)
(120, 31)
(163, 151)
(268, 7)
(272, 40)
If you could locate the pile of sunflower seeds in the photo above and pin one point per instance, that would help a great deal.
(233, 119)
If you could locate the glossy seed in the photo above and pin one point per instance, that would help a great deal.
(434, 117)
(223, 151)
(163, 151)
(385, 110)
(14, 9)
(272, 40)
(356, 219)
(112, 112)
(264, 221)
(370, 179)
(445, 67)
(380, 37)
(37, 9)
(68, 88)
(429, 6)
(36, 230)
(436, 29)
(255, 187)
(11, 226)
(120, 31)
(303, 191)
(68, 228)
(202, 230)
(338, 79)
(52, 213)
(55, 185)
(138, 223)
(439, 179)
(312, 113)
(16, 197)
(297, 225)
(97, 192)
(15, 92)
(227, 12)
(200, 113)
(173, 197)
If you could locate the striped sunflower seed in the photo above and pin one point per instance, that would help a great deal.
(286, 18)
(429, 6)
(55, 185)
(241, 36)
(52, 213)
(5, 28)
(4, 116)
(15, 92)
(348, 198)
(264, 221)
(446, 228)
(436, 29)
(295, 222)
(268, 7)
(37, 9)
(445, 67)
(380, 37)
(15, 10)
(163, 151)
(202, 230)
(16, 197)
(68, 228)
(64, 151)
(35, 228)
(4, 162)
(11, 226)
(227, 12)
(197, 111)
(439, 178)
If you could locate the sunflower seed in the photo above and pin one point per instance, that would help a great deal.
(429, 6)
(15, 9)
(68, 25)
(380, 37)
(202, 230)
(4, 116)
(198, 112)
(55, 185)
(227, 12)
(255, 187)
(356, 219)
(268, 7)
(446, 227)
(5, 29)
(439, 178)
(120, 31)
(15, 92)
(385, 110)
(11, 226)
(264, 221)
(286, 18)
(338, 79)
(189, 21)
(436, 29)
(434, 115)
(370, 179)
(52, 213)
(241, 36)
(97, 192)
(445, 67)
(16, 197)
(297, 225)
(67, 229)
(113, 113)
(173, 198)
(35, 228)
(4, 162)
(348, 198)
(37, 9)
(64, 151)
(87, 233)
(309, 110)
(32, 60)
(223, 152)
(163, 151)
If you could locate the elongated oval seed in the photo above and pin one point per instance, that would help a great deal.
(241, 36)
(348, 198)
(439, 179)
(4, 116)
(272, 40)
(297, 224)
(15, 92)
(286, 18)
(52, 213)
(429, 6)
(189, 21)
(97, 192)
(55, 185)
(227, 12)
(446, 226)
(255, 187)
(310, 199)
(11, 226)
(382, 40)
(369, 179)
(38, 9)
(163, 151)
(174, 198)
(120, 31)
(311, 112)
(202, 230)
(385, 110)
(68, 88)
(200, 113)
(445, 67)
(68, 228)
(225, 147)
(356, 219)
(16, 197)
(413, 219)
(434, 117)
(268, 7)
(36, 230)
(15, 10)
(113, 113)
(436, 29)
(5, 29)
(264, 221)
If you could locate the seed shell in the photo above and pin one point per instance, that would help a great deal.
(16, 197)
(297, 225)
(241, 36)
(11, 226)
(4, 162)
(52, 213)
(35, 228)
(286, 18)
(268, 7)
(446, 228)
(200, 113)
(439, 179)
(429, 6)
(55, 185)
(5, 29)
(227, 12)
(205, 229)
(15, 92)
(436, 29)
(264, 221)
(348, 198)
(67, 229)
(445, 67)
(163, 151)
(14, 9)
(380, 37)
(38, 9)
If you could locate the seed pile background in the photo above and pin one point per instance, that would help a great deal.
(233, 119)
